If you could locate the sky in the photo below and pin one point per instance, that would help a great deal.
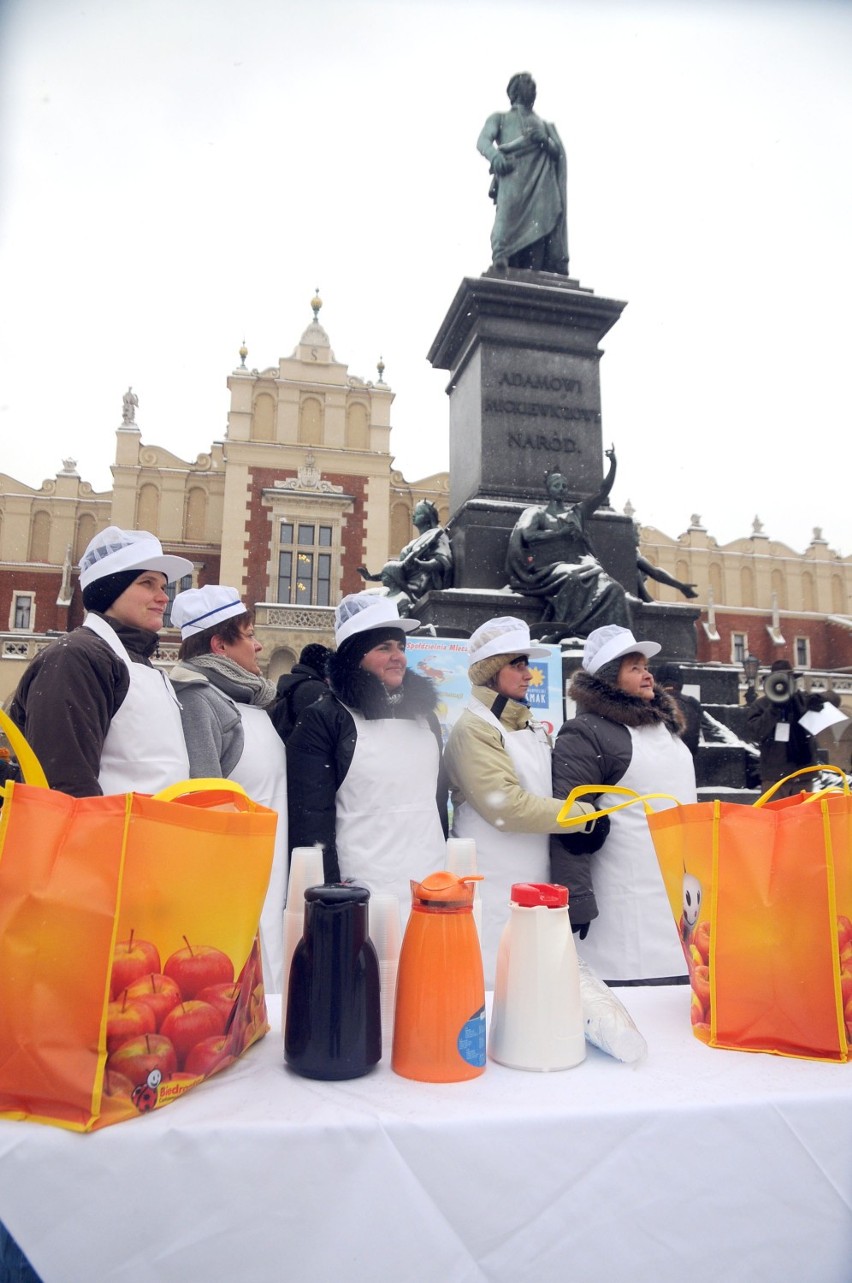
(179, 175)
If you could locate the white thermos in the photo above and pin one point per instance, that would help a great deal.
(537, 1016)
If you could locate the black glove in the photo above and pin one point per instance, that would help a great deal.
(580, 843)
(581, 929)
(814, 703)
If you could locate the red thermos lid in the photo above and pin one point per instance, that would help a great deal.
(530, 894)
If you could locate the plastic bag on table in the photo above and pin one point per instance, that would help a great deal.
(608, 1024)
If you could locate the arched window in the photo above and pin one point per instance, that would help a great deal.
(195, 516)
(808, 593)
(148, 508)
(746, 586)
(779, 587)
(682, 571)
(40, 536)
(263, 419)
(310, 421)
(84, 534)
(838, 597)
(401, 532)
(716, 583)
(357, 427)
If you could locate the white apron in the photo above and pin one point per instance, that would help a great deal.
(635, 937)
(144, 750)
(388, 830)
(262, 771)
(504, 858)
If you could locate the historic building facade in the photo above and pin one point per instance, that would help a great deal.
(302, 492)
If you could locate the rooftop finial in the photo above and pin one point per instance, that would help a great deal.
(316, 303)
(381, 369)
(243, 355)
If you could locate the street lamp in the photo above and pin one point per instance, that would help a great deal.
(751, 667)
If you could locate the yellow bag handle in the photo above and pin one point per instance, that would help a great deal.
(201, 785)
(30, 765)
(567, 821)
(806, 770)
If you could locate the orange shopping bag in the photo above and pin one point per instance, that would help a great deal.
(129, 962)
(762, 897)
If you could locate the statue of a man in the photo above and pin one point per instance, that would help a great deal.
(129, 403)
(424, 563)
(551, 556)
(527, 160)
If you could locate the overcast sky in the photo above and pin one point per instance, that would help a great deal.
(177, 175)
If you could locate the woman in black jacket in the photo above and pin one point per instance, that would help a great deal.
(363, 761)
(626, 732)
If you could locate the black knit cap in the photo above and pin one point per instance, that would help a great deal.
(315, 656)
(101, 593)
(355, 647)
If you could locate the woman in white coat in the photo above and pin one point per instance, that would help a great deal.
(497, 762)
(225, 704)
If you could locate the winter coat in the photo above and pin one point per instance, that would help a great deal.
(597, 747)
(68, 697)
(322, 747)
(212, 725)
(296, 690)
(781, 757)
(479, 770)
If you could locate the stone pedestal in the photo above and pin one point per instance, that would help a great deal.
(523, 355)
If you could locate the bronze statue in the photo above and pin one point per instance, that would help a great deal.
(424, 563)
(645, 569)
(551, 556)
(527, 160)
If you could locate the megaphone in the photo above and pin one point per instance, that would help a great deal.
(779, 687)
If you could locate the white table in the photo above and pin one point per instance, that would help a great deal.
(695, 1166)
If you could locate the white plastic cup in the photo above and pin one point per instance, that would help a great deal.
(386, 935)
(305, 871)
(461, 860)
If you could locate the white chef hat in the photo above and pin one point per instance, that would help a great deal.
(113, 550)
(197, 609)
(612, 642)
(360, 612)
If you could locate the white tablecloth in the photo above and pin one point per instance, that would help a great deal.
(695, 1166)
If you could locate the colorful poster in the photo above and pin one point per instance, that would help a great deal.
(444, 660)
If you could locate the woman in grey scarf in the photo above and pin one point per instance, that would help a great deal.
(225, 703)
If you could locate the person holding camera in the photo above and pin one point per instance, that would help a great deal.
(773, 721)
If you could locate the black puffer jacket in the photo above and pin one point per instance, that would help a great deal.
(296, 691)
(595, 748)
(321, 748)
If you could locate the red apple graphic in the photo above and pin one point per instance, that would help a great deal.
(198, 966)
(157, 992)
(701, 940)
(127, 1019)
(209, 1055)
(189, 1023)
(116, 1084)
(844, 931)
(222, 997)
(701, 985)
(136, 1059)
(133, 958)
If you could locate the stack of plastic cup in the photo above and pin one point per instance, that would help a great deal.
(386, 935)
(305, 871)
(461, 860)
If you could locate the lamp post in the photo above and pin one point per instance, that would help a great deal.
(751, 667)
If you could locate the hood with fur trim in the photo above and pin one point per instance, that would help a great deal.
(364, 692)
(595, 696)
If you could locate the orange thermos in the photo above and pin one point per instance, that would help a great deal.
(439, 1026)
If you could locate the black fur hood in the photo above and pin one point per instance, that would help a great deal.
(362, 691)
(595, 696)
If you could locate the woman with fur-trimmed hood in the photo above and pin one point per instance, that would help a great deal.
(363, 761)
(626, 732)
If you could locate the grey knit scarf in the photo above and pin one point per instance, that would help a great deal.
(235, 681)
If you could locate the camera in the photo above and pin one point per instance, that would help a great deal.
(779, 687)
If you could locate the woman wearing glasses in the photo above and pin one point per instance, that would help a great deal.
(497, 762)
